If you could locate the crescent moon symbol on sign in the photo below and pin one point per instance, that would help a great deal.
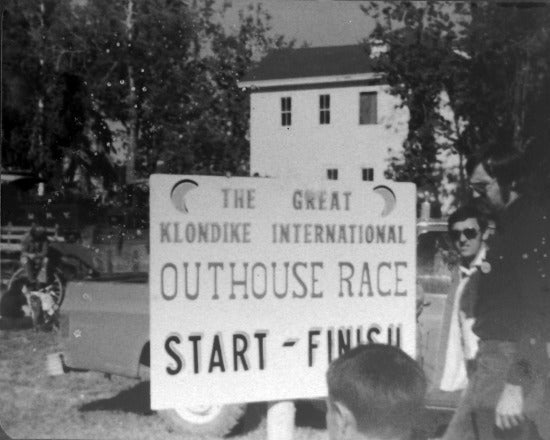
(179, 192)
(389, 198)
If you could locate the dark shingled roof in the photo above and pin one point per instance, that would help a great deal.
(311, 62)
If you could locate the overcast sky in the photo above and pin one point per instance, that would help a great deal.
(317, 22)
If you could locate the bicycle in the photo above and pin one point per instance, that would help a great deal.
(54, 279)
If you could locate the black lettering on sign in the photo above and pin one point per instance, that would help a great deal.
(388, 279)
(165, 232)
(240, 345)
(189, 295)
(173, 353)
(398, 279)
(165, 272)
(216, 357)
(312, 345)
(195, 340)
(280, 294)
(215, 266)
(296, 294)
(239, 198)
(394, 331)
(340, 340)
(365, 280)
(372, 332)
(260, 336)
(314, 279)
(380, 266)
(346, 279)
(320, 200)
(344, 340)
(235, 282)
(329, 344)
(259, 273)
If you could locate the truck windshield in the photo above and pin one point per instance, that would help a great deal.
(435, 261)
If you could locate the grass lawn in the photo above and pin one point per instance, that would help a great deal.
(89, 405)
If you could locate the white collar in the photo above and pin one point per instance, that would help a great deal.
(476, 262)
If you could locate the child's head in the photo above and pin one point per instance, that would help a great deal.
(374, 391)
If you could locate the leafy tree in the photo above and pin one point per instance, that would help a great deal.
(506, 102)
(490, 62)
(134, 64)
(168, 72)
(47, 114)
(30, 86)
(163, 72)
(213, 139)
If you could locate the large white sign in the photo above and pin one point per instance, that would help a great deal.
(257, 284)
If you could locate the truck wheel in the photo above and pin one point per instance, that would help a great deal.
(216, 420)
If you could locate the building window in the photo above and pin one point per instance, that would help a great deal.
(367, 174)
(286, 111)
(332, 174)
(368, 108)
(324, 109)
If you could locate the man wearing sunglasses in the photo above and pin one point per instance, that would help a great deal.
(468, 229)
(508, 394)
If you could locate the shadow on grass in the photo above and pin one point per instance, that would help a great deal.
(251, 419)
(15, 323)
(311, 414)
(133, 400)
(137, 400)
(308, 414)
(3, 435)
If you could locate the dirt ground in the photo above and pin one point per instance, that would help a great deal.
(88, 405)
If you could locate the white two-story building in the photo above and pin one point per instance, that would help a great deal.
(322, 113)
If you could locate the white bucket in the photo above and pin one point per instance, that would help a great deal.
(54, 364)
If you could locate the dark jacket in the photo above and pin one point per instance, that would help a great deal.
(514, 296)
(35, 243)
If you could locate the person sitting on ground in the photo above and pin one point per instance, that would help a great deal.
(13, 301)
(375, 391)
(34, 249)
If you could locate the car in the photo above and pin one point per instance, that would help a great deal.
(437, 279)
(105, 328)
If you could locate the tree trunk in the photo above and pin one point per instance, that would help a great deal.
(132, 129)
(39, 133)
(132, 123)
(520, 89)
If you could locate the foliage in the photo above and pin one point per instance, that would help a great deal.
(488, 62)
(90, 85)
(134, 66)
(214, 138)
(507, 102)
(34, 87)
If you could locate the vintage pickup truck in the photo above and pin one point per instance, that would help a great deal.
(105, 327)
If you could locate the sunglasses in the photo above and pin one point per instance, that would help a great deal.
(479, 187)
(469, 233)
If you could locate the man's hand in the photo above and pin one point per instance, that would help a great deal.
(509, 410)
